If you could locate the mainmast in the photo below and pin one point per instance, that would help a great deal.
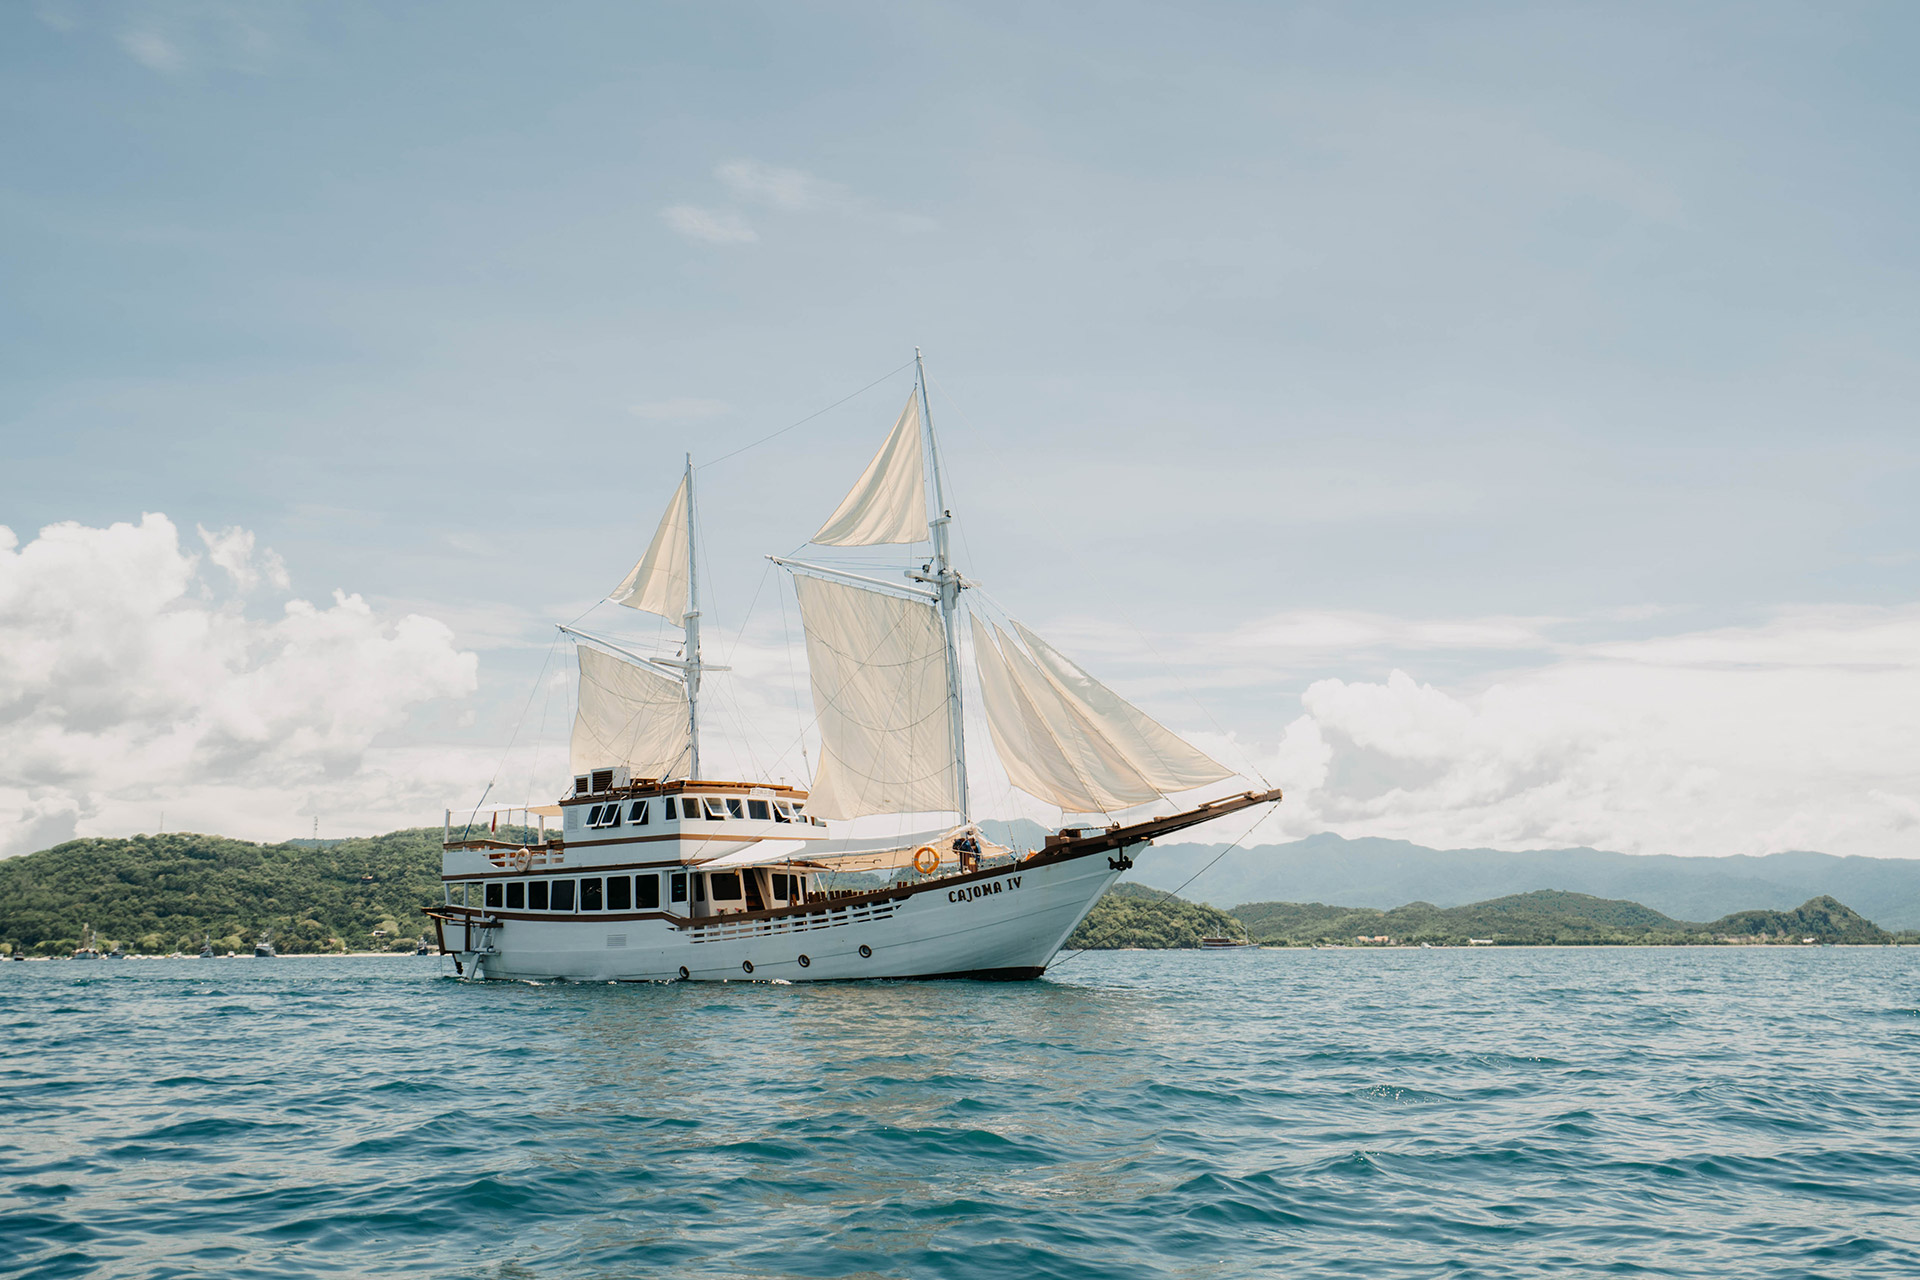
(691, 621)
(948, 583)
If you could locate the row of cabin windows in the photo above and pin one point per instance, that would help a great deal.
(639, 813)
(635, 893)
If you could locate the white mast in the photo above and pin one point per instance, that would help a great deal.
(692, 624)
(948, 583)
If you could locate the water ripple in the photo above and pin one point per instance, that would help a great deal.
(1514, 1113)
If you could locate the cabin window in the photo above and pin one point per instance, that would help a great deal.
(736, 808)
(563, 895)
(646, 891)
(780, 813)
(611, 818)
(757, 809)
(726, 886)
(537, 895)
(779, 885)
(679, 886)
(590, 894)
(699, 888)
(619, 893)
(516, 896)
(593, 816)
(581, 785)
(715, 810)
(493, 894)
(637, 816)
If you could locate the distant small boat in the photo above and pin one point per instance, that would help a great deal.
(206, 948)
(86, 950)
(1226, 944)
(423, 949)
(118, 953)
(263, 949)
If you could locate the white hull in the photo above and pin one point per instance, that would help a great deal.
(1004, 924)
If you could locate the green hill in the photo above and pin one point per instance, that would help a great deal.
(1546, 916)
(1132, 915)
(165, 893)
(1822, 918)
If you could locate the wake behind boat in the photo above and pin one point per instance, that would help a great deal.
(657, 873)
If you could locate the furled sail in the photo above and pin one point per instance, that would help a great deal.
(659, 582)
(630, 715)
(888, 503)
(877, 663)
(1068, 739)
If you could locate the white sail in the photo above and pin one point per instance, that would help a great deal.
(877, 663)
(1067, 739)
(888, 503)
(1161, 756)
(629, 716)
(659, 582)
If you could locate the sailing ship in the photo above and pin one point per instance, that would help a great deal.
(263, 949)
(88, 948)
(658, 873)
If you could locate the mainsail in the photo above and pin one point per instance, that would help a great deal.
(1068, 739)
(630, 716)
(878, 667)
(886, 673)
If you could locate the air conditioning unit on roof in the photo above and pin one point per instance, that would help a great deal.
(603, 780)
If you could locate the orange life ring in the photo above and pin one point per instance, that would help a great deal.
(932, 863)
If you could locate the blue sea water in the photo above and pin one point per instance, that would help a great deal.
(1498, 1113)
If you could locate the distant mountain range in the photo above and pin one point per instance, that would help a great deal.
(1391, 873)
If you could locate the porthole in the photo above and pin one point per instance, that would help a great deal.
(746, 966)
(866, 952)
(684, 975)
(804, 962)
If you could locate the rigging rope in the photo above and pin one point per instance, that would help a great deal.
(892, 373)
(1166, 896)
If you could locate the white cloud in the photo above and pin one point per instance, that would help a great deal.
(132, 685)
(789, 190)
(154, 51)
(1803, 733)
(679, 409)
(232, 550)
(710, 226)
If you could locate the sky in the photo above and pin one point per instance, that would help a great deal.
(1491, 423)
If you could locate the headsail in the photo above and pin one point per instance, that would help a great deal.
(661, 582)
(1069, 740)
(630, 715)
(888, 503)
(878, 667)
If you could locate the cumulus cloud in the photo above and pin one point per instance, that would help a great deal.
(709, 226)
(134, 681)
(1803, 733)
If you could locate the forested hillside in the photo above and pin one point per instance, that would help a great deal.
(165, 893)
(1132, 915)
(1547, 916)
